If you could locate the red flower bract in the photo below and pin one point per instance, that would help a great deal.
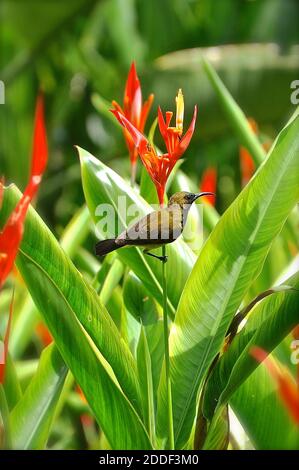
(208, 184)
(44, 334)
(287, 388)
(134, 111)
(159, 166)
(11, 235)
(247, 164)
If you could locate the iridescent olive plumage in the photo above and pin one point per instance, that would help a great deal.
(158, 228)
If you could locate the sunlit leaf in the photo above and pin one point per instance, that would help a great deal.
(228, 263)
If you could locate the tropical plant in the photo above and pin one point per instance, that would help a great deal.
(109, 318)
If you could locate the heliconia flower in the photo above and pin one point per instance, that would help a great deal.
(44, 334)
(287, 387)
(80, 393)
(134, 111)
(11, 235)
(247, 164)
(208, 184)
(159, 167)
(295, 332)
(85, 418)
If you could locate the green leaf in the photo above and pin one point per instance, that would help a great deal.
(235, 115)
(76, 231)
(102, 185)
(26, 370)
(137, 300)
(83, 331)
(114, 306)
(246, 135)
(146, 383)
(4, 421)
(40, 249)
(72, 237)
(86, 263)
(270, 427)
(219, 438)
(130, 328)
(32, 417)
(11, 384)
(269, 323)
(111, 281)
(227, 265)
(112, 409)
(23, 327)
(145, 309)
(279, 257)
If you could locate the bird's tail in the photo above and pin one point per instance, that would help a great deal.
(105, 246)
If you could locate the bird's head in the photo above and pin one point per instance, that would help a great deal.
(183, 198)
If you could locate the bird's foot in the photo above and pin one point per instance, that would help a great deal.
(161, 258)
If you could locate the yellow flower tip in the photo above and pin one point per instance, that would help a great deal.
(179, 110)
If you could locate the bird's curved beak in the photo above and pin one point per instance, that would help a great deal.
(206, 193)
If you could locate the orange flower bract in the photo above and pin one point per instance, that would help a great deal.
(159, 167)
(287, 388)
(135, 111)
(247, 164)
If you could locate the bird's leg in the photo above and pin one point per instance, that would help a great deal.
(161, 258)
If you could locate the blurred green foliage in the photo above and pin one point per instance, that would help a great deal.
(72, 49)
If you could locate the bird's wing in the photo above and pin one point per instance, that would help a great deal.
(158, 226)
(144, 229)
(177, 217)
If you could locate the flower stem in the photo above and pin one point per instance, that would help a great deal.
(133, 174)
(166, 355)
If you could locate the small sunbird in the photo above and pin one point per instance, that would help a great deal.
(158, 228)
